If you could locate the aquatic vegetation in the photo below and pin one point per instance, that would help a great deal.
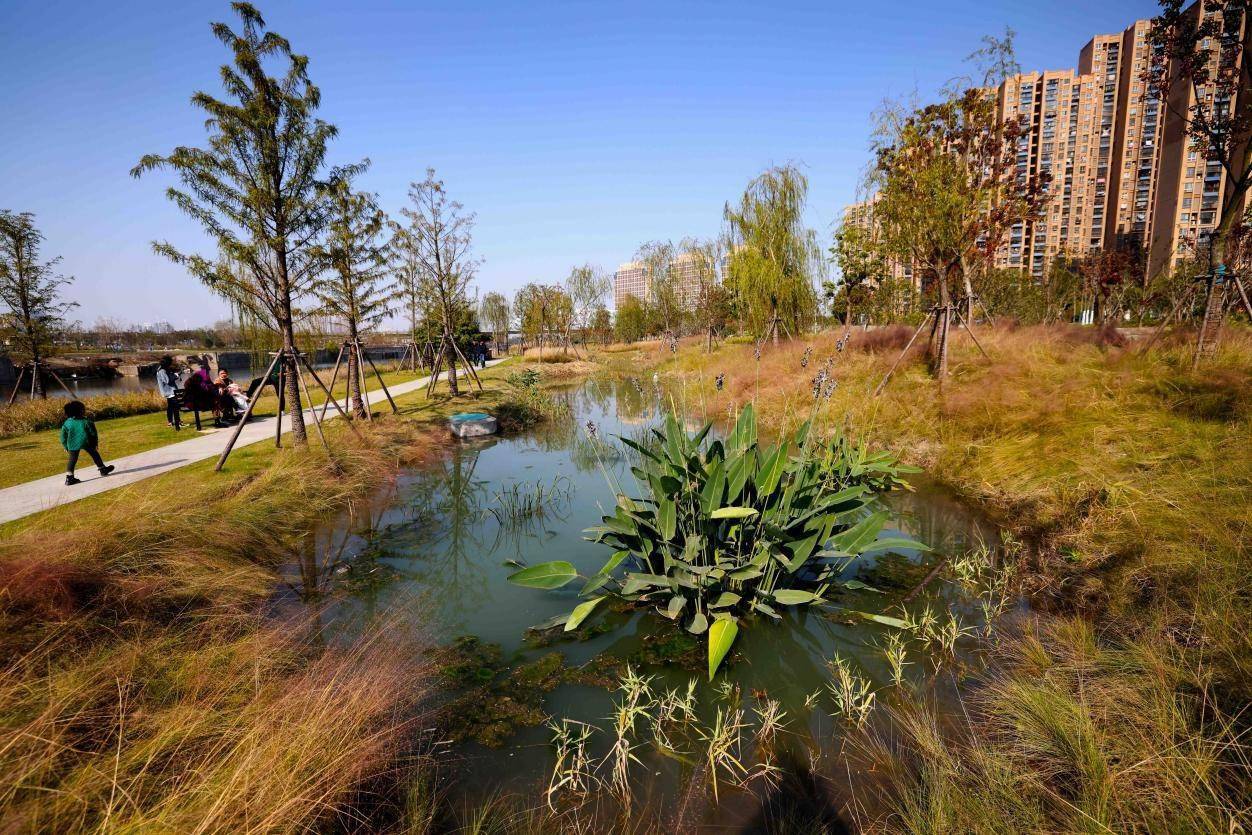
(853, 697)
(524, 501)
(895, 651)
(526, 403)
(728, 530)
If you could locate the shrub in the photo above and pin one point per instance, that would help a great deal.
(729, 530)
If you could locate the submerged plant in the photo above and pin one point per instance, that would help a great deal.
(727, 530)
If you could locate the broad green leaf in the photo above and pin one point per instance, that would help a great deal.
(552, 622)
(639, 448)
(580, 613)
(636, 583)
(546, 575)
(732, 513)
(801, 551)
(727, 598)
(714, 485)
(857, 585)
(676, 604)
(795, 597)
(595, 584)
(721, 637)
(699, 623)
(667, 518)
(772, 471)
(742, 574)
(895, 543)
(855, 538)
(736, 477)
(613, 561)
(885, 620)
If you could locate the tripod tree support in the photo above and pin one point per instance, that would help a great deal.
(247, 413)
(386, 392)
(970, 331)
(333, 378)
(317, 421)
(929, 315)
(330, 397)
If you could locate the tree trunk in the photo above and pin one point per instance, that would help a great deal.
(1215, 297)
(449, 354)
(36, 380)
(357, 408)
(940, 330)
(295, 410)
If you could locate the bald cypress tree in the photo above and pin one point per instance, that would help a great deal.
(257, 186)
(357, 288)
(31, 290)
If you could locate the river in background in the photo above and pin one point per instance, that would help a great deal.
(436, 547)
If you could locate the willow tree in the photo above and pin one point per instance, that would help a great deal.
(31, 291)
(586, 286)
(1199, 67)
(439, 239)
(665, 295)
(257, 186)
(711, 306)
(357, 288)
(543, 310)
(497, 315)
(774, 258)
(949, 191)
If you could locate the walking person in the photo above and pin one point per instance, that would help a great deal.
(167, 384)
(78, 434)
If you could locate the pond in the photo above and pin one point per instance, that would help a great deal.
(439, 544)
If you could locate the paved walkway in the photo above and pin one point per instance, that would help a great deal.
(44, 493)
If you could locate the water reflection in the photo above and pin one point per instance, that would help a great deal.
(442, 542)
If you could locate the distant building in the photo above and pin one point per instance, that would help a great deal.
(634, 279)
(1123, 172)
(862, 215)
(631, 279)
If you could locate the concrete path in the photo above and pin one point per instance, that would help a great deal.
(44, 493)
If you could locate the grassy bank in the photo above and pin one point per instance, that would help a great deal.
(1131, 477)
(144, 687)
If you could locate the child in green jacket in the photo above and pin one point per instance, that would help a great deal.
(79, 434)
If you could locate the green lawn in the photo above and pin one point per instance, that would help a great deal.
(39, 454)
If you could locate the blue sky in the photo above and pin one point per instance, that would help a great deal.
(576, 131)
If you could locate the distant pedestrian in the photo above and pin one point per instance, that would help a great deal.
(168, 385)
(78, 434)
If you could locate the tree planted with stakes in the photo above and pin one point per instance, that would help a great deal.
(257, 187)
(438, 238)
(31, 290)
(358, 287)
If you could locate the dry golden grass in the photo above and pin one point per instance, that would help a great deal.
(146, 690)
(1129, 476)
(33, 415)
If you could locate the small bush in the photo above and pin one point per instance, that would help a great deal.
(27, 416)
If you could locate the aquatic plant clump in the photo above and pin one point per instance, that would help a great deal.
(728, 530)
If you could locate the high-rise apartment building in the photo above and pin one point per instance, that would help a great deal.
(1123, 173)
(1059, 109)
(631, 279)
(1191, 191)
(862, 215)
(1136, 144)
(635, 279)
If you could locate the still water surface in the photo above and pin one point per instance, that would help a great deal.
(432, 546)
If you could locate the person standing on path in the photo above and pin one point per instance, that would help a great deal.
(79, 434)
(167, 384)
